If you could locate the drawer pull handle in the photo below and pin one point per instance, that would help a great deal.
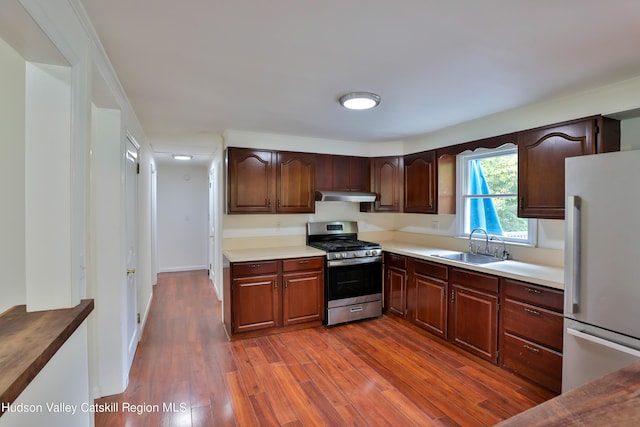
(255, 265)
(530, 348)
(534, 312)
(356, 309)
(303, 262)
(534, 291)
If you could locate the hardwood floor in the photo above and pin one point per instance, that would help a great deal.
(376, 372)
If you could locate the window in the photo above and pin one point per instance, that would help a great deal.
(488, 195)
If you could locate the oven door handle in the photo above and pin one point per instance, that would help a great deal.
(353, 261)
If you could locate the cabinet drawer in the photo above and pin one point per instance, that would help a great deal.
(474, 280)
(254, 268)
(536, 295)
(534, 323)
(537, 363)
(395, 260)
(430, 269)
(302, 264)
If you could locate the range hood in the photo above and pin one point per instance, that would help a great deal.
(345, 196)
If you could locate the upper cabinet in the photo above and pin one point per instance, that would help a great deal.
(296, 174)
(342, 173)
(251, 181)
(261, 181)
(387, 182)
(420, 183)
(541, 156)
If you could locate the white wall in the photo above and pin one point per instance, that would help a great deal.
(46, 223)
(48, 187)
(183, 229)
(68, 370)
(12, 190)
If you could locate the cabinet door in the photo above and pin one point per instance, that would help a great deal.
(431, 304)
(324, 171)
(541, 155)
(474, 321)
(251, 181)
(420, 185)
(359, 173)
(296, 174)
(396, 291)
(303, 297)
(255, 303)
(387, 183)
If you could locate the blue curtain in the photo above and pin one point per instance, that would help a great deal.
(483, 213)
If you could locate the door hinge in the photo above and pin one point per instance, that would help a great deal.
(138, 318)
(138, 168)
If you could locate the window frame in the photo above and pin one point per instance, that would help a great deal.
(462, 193)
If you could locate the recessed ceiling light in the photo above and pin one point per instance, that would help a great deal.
(359, 100)
(182, 157)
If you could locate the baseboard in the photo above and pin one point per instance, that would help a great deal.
(179, 269)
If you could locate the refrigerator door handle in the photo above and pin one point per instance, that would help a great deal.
(572, 257)
(603, 342)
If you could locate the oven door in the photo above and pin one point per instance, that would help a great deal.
(351, 278)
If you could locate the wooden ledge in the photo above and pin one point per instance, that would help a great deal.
(29, 340)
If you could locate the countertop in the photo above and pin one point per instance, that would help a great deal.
(264, 254)
(552, 277)
(29, 340)
(613, 400)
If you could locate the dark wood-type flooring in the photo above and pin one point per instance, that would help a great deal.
(376, 372)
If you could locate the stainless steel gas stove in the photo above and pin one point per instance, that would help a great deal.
(353, 279)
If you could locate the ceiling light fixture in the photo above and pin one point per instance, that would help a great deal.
(182, 157)
(359, 100)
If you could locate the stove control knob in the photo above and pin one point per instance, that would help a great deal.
(337, 255)
(368, 253)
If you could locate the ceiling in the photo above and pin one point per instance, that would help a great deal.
(279, 66)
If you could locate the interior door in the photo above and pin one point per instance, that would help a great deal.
(131, 224)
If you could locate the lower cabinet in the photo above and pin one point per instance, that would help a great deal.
(430, 307)
(303, 293)
(473, 318)
(266, 296)
(514, 324)
(531, 332)
(395, 284)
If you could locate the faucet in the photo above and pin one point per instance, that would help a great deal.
(486, 240)
(505, 253)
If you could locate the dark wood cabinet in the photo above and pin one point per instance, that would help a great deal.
(387, 182)
(271, 296)
(541, 156)
(303, 298)
(395, 284)
(256, 299)
(342, 173)
(295, 180)
(428, 300)
(473, 312)
(531, 332)
(420, 183)
(261, 181)
(251, 184)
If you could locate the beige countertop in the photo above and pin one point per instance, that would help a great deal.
(552, 277)
(263, 254)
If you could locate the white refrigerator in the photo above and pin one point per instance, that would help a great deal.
(602, 266)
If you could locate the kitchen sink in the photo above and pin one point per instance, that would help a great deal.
(470, 258)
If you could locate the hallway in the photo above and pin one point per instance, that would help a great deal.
(377, 372)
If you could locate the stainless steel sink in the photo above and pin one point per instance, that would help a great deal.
(470, 258)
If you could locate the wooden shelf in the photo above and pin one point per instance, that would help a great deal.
(29, 341)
